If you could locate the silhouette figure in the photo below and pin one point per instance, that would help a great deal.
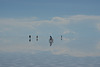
(61, 37)
(36, 38)
(51, 40)
(29, 38)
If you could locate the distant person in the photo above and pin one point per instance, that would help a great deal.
(36, 38)
(51, 40)
(61, 37)
(29, 36)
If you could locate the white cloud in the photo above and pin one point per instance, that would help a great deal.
(68, 32)
(72, 52)
(20, 48)
(59, 22)
(98, 46)
(24, 22)
(98, 26)
(34, 22)
(57, 50)
(77, 18)
(5, 29)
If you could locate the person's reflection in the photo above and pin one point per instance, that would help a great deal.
(29, 40)
(51, 40)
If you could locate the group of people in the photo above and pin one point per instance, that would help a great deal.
(30, 38)
(50, 40)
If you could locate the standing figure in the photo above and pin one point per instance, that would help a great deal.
(61, 37)
(51, 40)
(36, 38)
(29, 38)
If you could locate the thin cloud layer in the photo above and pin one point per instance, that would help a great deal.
(31, 22)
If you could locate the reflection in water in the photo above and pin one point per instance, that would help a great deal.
(36, 60)
(29, 40)
(34, 53)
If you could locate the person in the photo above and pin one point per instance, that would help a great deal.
(36, 38)
(61, 37)
(51, 40)
(29, 36)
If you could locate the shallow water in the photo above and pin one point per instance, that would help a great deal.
(46, 60)
(19, 52)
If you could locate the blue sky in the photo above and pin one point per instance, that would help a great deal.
(78, 21)
(47, 8)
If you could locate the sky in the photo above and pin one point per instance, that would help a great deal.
(78, 21)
